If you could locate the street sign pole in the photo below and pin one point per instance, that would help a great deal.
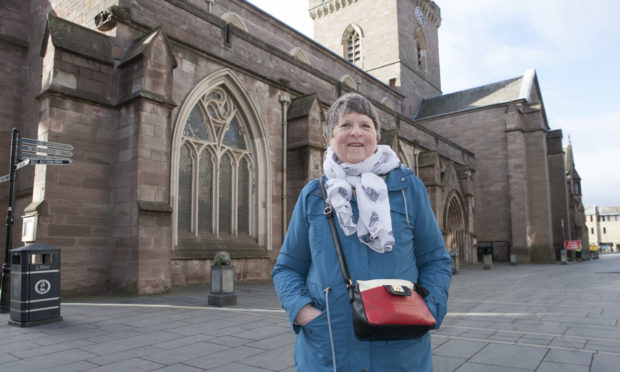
(27, 150)
(5, 292)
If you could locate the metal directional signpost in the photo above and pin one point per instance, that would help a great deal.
(27, 151)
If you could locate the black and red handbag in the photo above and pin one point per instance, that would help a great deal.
(383, 309)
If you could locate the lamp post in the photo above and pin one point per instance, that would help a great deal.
(5, 293)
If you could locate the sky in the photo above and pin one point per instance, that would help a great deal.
(574, 46)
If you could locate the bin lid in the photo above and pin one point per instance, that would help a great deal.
(37, 247)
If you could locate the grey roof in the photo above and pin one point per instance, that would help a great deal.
(78, 39)
(486, 95)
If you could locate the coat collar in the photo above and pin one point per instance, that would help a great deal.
(397, 178)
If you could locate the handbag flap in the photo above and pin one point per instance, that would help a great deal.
(365, 285)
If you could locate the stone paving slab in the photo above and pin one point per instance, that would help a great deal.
(511, 318)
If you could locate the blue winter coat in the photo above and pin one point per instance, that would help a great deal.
(308, 264)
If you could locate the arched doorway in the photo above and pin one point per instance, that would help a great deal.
(455, 227)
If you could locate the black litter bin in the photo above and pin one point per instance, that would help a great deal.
(35, 285)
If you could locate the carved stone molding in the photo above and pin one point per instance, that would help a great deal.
(330, 6)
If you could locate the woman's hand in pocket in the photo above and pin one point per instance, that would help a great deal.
(306, 314)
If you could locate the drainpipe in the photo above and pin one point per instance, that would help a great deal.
(416, 156)
(285, 100)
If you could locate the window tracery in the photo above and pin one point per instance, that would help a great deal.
(215, 191)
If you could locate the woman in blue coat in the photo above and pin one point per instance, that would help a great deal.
(388, 230)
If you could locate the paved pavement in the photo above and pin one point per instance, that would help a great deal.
(511, 318)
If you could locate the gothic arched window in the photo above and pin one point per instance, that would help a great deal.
(353, 48)
(420, 50)
(216, 194)
(352, 43)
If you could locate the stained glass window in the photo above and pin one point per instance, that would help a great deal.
(205, 193)
(216, 152)
(185, 190)
(225, 194)
(195, 127)
(234, 136)
(243, 206)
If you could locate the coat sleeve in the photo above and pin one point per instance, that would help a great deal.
(291, 268)
(432, 258)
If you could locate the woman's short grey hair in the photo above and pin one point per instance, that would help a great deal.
(351, 102)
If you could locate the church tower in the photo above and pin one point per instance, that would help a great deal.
(394, 40)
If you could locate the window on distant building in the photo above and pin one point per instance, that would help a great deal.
(592, 230)
(604, 230)
(420, 50)
(590, 218)
(352, 43)
(353, 49)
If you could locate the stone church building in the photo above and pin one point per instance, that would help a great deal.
(195, 124)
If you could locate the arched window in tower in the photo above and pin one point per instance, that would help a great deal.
(420, 50)
(216, 194)
(352, 43)
(353, 49)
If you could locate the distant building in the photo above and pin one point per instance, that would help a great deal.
(604, 227)
(528, 193)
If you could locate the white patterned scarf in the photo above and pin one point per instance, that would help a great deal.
(374, 227)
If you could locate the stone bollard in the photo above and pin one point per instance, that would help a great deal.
(487, 259)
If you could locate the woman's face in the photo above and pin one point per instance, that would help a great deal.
(354, 138)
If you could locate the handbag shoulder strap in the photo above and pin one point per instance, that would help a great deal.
(329, 214)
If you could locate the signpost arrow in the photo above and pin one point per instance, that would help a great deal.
(28, 155)
(33, 142)
(29, 148)
(22, 164)
(58, 161)
(5, 178)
